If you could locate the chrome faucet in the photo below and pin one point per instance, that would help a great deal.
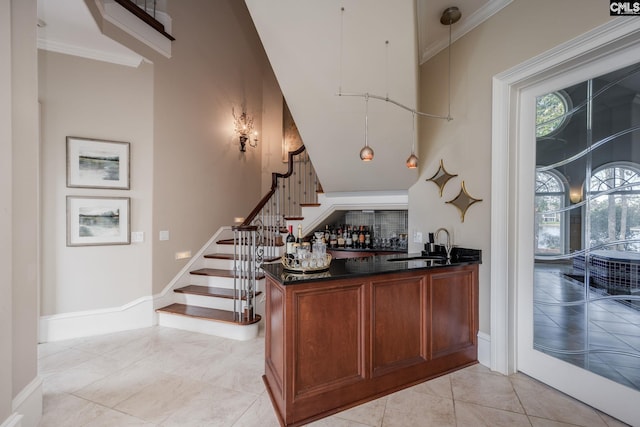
(447, 246)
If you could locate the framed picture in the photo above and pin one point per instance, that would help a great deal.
(93, 163)
(291, 139)
(95, 221)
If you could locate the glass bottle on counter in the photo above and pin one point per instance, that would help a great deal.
(367, 238)
(289, 251)
(333, 238)
(348, 241)
(340, 238)
(326, 234)
(299, 238)
(361, 237)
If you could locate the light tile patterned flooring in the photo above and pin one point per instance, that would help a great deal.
(165, 377)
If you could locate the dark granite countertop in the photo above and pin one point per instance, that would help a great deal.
(373, 265)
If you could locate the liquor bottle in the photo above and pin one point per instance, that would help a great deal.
(367, 238)
(340, 238)
(299, 239)
(327, 234)
(290, 241)
(354, 237)
(333, 239)
(361, 237)
(348, 239)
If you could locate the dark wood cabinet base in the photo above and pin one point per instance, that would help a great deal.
(332, 345)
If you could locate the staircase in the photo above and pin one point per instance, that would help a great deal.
(220, 292)
(204, 298)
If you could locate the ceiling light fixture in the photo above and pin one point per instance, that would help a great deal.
(412, 160)
(366, 154)
(449, 17)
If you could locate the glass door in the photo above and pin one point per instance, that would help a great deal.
(580, 328)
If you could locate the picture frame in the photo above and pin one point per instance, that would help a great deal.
(96, 221)
(94, 163)
(291, 139)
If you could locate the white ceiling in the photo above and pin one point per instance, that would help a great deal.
(69, 28)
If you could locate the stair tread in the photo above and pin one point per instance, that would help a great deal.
(217, 272)
(309, 205)
(209, 291)
(205, 313)
(230, 257)
(294, 218)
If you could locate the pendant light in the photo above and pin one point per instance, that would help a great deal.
(412, 160)
(366, 154)
(450, 16)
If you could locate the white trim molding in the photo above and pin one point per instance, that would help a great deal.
(615, 35)
(139, 313)
(133, 315)
(14, 420)
(27, 406)
(466, 25)
(484, 349)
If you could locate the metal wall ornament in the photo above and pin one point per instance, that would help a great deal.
(463, 201)
(441, 177)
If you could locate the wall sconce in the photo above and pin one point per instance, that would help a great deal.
(244, 128)
(575, 197)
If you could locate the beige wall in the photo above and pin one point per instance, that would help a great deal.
(93, 99)
(6, 330)
(19, 195)
(201, 180)
(187, 174)
(24, 200)
(521, 31)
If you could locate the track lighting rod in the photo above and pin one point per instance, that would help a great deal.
(387, 99)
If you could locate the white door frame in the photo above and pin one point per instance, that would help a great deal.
(507, 252)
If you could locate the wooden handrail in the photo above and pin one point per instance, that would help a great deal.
(274, 185)
(144, 16)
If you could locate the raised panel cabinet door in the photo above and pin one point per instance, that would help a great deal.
(397, 324)
(452, 311)
(328, 339)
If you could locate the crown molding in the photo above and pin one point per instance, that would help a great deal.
(465, 26)
(98, 55)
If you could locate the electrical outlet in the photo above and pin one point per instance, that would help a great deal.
(417, 237)
(137, 236)
(164, 235)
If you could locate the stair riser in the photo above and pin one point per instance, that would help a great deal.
(209, 327)
(205, 301)
(220, 282)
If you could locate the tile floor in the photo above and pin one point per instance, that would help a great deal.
(166, 377)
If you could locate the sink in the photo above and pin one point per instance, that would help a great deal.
(420, 258)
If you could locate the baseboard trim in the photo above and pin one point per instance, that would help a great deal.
(484, 349)
(14, 420)
(27, 406)
(134, 315)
